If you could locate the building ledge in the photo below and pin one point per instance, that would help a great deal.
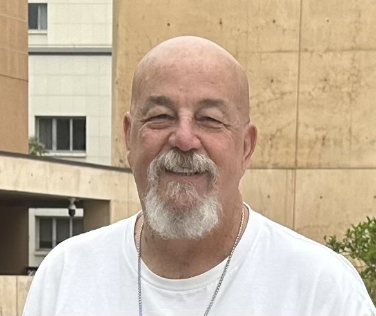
(52, 159)
(26, 178)
(37, 32)
(70, 50)
(67, 154)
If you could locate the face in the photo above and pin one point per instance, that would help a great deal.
(192, 108)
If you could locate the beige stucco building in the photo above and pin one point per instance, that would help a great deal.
(312, 74)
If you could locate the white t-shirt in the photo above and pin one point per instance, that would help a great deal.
(274, 272)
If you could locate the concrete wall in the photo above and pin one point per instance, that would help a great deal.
(13, 293)
(56, 179)
(13, 76)
(311, 66)
(14, 239)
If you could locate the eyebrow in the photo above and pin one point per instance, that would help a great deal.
(154, 100)
(207, 103)
(159, 100)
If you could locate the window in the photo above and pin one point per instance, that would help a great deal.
(61, 133)
(53, 230)
(37, 16)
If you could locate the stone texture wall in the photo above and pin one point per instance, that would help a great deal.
(312, 71)
(13, 76)
(13, 293)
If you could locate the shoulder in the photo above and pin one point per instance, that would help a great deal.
(86, 250)
(72, 264)
(95, 238)
(299, 249)
(315, 267)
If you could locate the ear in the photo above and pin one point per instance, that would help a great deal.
(127, 126)
(250, 139)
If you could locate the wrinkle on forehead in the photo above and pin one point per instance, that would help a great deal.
(196, 54)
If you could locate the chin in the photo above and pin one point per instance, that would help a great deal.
(178, 194)
(180, 204)
(181, 213)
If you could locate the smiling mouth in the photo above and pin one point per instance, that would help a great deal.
(183, 172)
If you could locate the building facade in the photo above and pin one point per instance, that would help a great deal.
(40, 189)
(69, 99)
(70, 78)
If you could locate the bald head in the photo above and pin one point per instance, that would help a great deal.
(194, 55)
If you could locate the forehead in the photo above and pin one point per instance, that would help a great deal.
(187, 80)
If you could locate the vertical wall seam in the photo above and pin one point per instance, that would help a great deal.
(17, 294)
(297, 110)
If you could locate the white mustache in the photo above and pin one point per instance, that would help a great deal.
(178, 161)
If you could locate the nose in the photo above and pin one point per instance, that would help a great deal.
(184, 136)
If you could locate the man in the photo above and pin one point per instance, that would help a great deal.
(195, 248)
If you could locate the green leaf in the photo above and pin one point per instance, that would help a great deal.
(359, 243)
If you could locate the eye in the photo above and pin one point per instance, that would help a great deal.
(160, 117)
(209, 120)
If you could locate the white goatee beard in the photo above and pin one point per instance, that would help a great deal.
(183, 214)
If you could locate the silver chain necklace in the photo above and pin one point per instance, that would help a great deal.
(220, 280)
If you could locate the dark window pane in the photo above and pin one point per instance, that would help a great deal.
(62, 229)
(33, 16)
(45, 132)
(78, 226)
(62, 134)
(43, 16)
(79, 134)
(45, 233)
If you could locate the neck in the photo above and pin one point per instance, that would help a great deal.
(182, 258)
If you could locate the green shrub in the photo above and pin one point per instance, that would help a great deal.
(359, 243)
(36, 148)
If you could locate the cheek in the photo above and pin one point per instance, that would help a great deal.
(148, 145)
(152, 136)
(228, 158)
(224, 150)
